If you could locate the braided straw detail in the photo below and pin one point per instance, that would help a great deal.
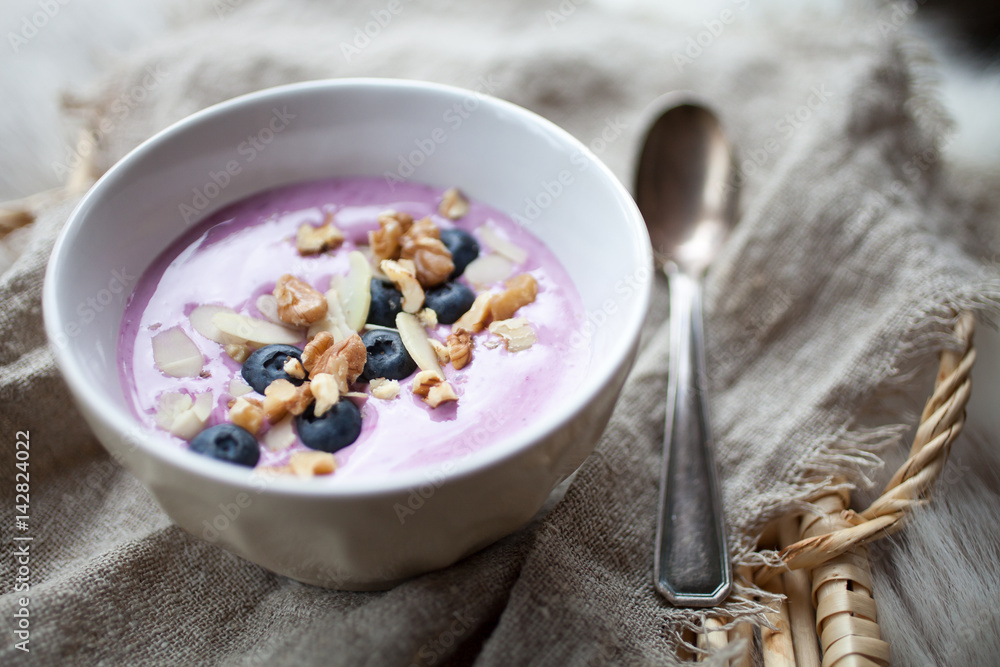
(941, 422)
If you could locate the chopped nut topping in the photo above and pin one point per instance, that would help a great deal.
(237, 352)
(516, 333)
(433, 389)
(352, 350)
(406, 282)
(431, 258)
(282, 397)
(294, 368)
(428, 317)
(385, 241)
(441, 350)
(521, 290)
(309, 464)
(475, 319)
(439, 394)
(384, 389)
(315, 348)
(460, 348)
(311, 240)
(248, 413)
(298, 303)
(453, 204)
(326, 390)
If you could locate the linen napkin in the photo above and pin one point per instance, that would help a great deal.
(824, 315)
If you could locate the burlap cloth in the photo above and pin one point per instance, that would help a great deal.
(852, 254)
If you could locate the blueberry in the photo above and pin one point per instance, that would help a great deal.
(337, 428)
(266, 365)
(387, 302)
(450, 301)
(227, 442)
(387, 356)
(463, 246)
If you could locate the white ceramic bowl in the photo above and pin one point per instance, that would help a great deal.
(346, 534)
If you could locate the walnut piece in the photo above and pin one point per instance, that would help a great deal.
(293, 367)
(460, 348)
(298, 303)
(475, 319)
(282, 397)
(326, 390)
(352, 350)
(517, 333)
(406, 282)
(384, 389)
(310, 464)
(428, 317)
(453, 204)
(238, 352)
(431, 258)
(344, 360)
(315, 348)
(521, 290)
(385, 240)
(311, 240)
(433, 389)
(247, 412)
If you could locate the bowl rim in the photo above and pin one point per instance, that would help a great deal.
(123, 422)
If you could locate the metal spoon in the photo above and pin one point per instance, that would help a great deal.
(684, 190)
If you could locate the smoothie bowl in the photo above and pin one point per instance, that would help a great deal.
(364, 327)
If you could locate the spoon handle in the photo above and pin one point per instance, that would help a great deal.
(691, 566)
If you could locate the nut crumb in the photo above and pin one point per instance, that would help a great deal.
(238, 352)
(384, 389)
(247, 413)
(453, 204)
(460, 348)
(406, 282)
(521, 290)
(311, 240)
(326, 391)
(433, 389)
(298, 303)
(282, 397)
(310, 464)
(441, 350)
(293, 367)
(428, 317)
(516, 333)
(431, 258)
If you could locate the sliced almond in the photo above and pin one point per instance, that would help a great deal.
(403, 275)
(281, 435)
(201, 321)
(417, 344)
(251, 330)
(502, 246)
(238, 387)
(267, 304)
(488, 270)
(334, 323)
(176, 354)
(354, 290)
(516, 333)
(384, 389)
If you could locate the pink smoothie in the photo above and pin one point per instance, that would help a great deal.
(238, 254)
